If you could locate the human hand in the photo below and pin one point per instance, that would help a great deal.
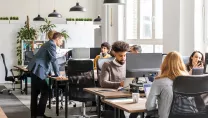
(122, 83)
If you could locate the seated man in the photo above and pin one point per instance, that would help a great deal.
(113, 73)
(135, 49)
(105, 47)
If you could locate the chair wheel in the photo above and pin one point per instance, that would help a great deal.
(74, 105)
(1, 92)
(9, 92)
(48, 106)
(61, 108)
(22, 92)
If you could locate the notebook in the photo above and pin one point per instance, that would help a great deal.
(197, 71)
(147, 87)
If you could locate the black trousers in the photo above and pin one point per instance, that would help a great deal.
(38, 86)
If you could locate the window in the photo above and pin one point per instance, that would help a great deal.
(144, 24)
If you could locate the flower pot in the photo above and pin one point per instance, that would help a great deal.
(4, 21)
(43, 37)
(80, 22)
(14, 21)
(88, 22)
(70, 22)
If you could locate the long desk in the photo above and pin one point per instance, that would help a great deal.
(106, 93)
(24, 71)
(126, 104)
(2, 114)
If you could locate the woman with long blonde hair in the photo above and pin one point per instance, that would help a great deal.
(161, 93)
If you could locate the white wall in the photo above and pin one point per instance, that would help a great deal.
(22, 8)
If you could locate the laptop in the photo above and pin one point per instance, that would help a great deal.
(147, 87)
(197, 71)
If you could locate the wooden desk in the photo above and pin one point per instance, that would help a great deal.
(22, 68)
(109, 93)
(106, 93)
(2, 114)
(24, 71)
(127, 104)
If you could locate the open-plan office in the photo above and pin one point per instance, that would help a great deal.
(155, 28)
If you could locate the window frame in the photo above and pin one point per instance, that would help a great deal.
(153, 41)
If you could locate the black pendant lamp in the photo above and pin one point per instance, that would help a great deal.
(38, 18)
(98, 19)
(78, 8)
(54, 13)
(114, 2)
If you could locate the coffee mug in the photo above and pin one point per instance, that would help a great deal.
(135, 97)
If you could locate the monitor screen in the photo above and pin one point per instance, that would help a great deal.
(206, 63)
(80, 53)
(94, 52)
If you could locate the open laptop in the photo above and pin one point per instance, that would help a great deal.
(197, 71)
(147, 87)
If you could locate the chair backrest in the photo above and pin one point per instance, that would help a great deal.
(190, 97)
(101, 61)
(80, 75)
(5, 67)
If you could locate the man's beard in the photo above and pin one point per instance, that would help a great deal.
(121, 62)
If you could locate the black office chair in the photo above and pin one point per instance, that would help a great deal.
(100, 63)
(190, 97)
(9, 78)
(81, 75)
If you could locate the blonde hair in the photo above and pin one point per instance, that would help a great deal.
(50, 34)
(172, 66)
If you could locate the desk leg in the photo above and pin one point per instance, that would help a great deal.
(50, 94)
(57, 99)
(66, 100)
(25, 84)
(142, 115)
(99, 105)
(115, 113)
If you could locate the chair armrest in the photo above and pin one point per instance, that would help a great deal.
(12, 71)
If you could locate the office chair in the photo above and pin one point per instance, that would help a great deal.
(190, 97)
(81, 75)
(100, 63)
(9, 78)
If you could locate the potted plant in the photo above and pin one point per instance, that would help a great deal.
(14, 19)
(27, 35)
(45, 28)
(4, 20)
(70, 21)
(65, 34)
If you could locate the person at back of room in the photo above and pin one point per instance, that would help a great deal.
(40, 67)
(161, 93)
(135, 49)
(196, 60)
(105, 47)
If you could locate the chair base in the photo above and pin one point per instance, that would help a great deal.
(84, 115)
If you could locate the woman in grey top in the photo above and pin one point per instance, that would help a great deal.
(161, 93)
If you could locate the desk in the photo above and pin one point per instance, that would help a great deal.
(126, 104)
(23, 71)
(2, 114)
(110, 93)
(57, 80)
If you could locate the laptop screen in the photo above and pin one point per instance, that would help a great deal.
(147, 87)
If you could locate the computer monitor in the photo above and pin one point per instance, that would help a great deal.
(81, 53)
(206, 64)
(138, 65)
(94, 52)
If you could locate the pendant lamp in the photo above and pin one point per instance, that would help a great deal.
(77, 7)
(38, 18)
(114, 2)
(98, 19)
(54, 13)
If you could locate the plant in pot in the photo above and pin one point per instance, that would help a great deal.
(44, 29)
(28, 35)
(65, 34)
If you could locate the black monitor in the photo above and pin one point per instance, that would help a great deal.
(94, 52)
(206, 64)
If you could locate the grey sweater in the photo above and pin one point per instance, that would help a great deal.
(112, 74)
(162, 92)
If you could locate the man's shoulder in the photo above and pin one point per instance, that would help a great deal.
(108, 64)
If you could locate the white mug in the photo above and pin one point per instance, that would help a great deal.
(135, 97)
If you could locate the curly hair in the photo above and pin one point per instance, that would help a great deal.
(106, 44)
(120, 46)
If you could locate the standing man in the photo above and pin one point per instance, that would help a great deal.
(113, 73)
(40, 66)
